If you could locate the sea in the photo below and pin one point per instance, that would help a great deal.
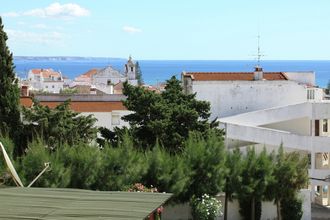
(157, 71)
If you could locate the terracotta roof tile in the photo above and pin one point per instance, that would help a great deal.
(232, 76)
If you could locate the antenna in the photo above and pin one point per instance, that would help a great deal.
(259, 54)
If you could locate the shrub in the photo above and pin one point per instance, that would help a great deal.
(165, 171)
(34, 162)
(121, 166)
(205, 158)
(291, 208)
(205, 208)
(84, 162)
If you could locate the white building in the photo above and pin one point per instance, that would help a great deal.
(46, 80)
(107, 109)
(108, 78)
(269, 109)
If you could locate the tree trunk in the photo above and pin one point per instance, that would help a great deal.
(278, 206)
(253, 209)
(226, 207)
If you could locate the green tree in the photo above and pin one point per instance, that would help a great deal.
(256, 174)
(233, 176)
(290, 175)
(138, 73)
(167, 117)
(59, 125)
(9, 91)
(205, 158)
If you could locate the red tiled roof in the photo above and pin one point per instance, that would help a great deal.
(232, 76)
(46, 73)
(82, 106)
(89, 73)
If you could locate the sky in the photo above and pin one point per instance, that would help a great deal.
(171, 29)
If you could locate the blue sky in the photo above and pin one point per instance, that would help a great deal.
(175, 30)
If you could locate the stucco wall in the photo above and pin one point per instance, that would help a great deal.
(234, 97)
(182, 211)
(104, 119)
(300, 126)
(302, 77)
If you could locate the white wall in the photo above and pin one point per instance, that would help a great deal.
(269, 212)
(235, 97)
(302, 77)
(300, 126)
(104, 119)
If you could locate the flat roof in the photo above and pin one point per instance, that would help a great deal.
(58, 204)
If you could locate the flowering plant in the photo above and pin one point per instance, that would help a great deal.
(206, 208)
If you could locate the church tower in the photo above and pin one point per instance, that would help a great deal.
(130, 71)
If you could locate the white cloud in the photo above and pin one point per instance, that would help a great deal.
(40, 26)
(45, 38)
(55, 10)
(131, 30)
(10, 14)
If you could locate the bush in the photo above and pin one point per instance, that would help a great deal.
(84, 162)
(291, 208)
(205, 208)
(205, 158)
(5, 177)
(165, 171)
(34, 162)
(121, 166)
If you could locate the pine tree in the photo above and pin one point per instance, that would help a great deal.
(138, 73)
(9, 91)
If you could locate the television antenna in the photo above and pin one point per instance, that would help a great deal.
(259, 53)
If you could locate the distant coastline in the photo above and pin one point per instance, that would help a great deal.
(63, 58)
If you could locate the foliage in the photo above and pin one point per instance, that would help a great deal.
(33, 162)
(256, 174)
(205, 208)
(121, 166)
(167, 117)
(138, 73)
(290, 175)
(205, 158)
(139, 187)
(165, 171)
(9, 92)
(69, 91)
(59, 125)
(291, 208)
(84, 162)
(233, 176)
(107, 137)
(5, 177)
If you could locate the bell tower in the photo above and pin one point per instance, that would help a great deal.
(130, 71)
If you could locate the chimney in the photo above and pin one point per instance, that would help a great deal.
(258, 73)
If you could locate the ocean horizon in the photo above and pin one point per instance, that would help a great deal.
(155, 71)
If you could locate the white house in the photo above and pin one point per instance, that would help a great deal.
(269, 109)
(107, 109)
(46, 80)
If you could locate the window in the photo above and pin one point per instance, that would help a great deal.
(132, 69)
(310, 94)
(325, 125)
(115, 119)
(109, 82)
(53, 86)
